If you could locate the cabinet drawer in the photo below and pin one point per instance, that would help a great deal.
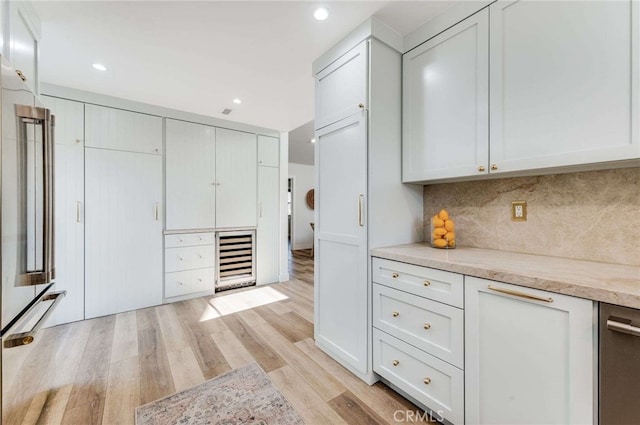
(437, 285)
(188, 282)
(189, 239)
(429, 325)
(434, 383)
(190, 257)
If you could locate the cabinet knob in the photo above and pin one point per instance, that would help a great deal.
(361, 105)
(396, 362)
(427, 381)
(481, 168)
(199, 279)
(395, 314)
(494, 167)
(395, 275)
(78, 140)
(426, 283)
(21, 75)
(156, 150)
(180, 283)
(427, 326)
(180, 258)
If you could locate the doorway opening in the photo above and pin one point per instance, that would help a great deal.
(290, 212)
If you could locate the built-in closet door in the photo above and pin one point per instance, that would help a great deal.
(123, 231)
(236, 178)
(69, 207)
(190, 175)
(341, 246)
(268, 234)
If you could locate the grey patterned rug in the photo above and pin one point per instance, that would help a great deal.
(242, 396)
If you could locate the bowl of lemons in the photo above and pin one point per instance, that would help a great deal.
(443, 231)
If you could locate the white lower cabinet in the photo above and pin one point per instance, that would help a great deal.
(189, 264)
(418, 340)
(429, 380)
(529, 356)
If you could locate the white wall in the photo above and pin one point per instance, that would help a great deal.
(303, 181)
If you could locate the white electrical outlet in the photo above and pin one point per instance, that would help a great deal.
(519, 211)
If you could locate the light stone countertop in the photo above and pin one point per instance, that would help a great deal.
(611, 283)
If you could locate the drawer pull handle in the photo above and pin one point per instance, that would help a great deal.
(426, 283)
(395, 314)
(427, 381)
(520, 294)
(395, 275)
(396, 362)
(427, 326)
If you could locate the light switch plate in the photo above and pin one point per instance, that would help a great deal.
(519, 211)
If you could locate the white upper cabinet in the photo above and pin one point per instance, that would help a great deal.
(23, 43)
(564, 83)
(190, 175)
(236, 178)
(341, 88)
(268, 151)
(446, 102)
(117, 129)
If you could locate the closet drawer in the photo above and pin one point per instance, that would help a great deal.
(189, 282)
(431, 326)
(437, 285)
(189, 239)
(187, 258)
(434, 383)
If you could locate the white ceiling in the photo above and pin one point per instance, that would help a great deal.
(198, 56)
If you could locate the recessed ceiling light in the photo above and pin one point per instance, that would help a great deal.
(99, 67)
(321, 14)
(312, 140)
(237, 101)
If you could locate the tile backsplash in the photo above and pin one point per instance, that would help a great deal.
(589, 215)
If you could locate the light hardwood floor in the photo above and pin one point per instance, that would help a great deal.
(106, 367)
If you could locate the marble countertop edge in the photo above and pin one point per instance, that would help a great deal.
(611, 283)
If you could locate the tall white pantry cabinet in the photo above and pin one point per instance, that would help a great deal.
(360, 200)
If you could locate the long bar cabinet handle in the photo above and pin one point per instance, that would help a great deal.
(618, 324)
(520, 294)
(360, 210)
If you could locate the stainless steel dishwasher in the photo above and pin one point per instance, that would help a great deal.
(619, 365)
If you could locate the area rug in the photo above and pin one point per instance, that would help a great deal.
(242, 396)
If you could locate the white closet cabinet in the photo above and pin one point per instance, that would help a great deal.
(446, 103)
(564, 83)
(69, 207)
(268, 231)
(123, 231)
(22, 44)
(190, 164)
(346, 76)
(268, 151)
(529, 356)
(117, 129)
(236, 178)
(360, 200)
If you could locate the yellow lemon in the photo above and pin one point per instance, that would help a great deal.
(439, 231)
(440, 243)
(449, 236)
(452, 243)
(443, 214)
(449, 225)
(437, 222)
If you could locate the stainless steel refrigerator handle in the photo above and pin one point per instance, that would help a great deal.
(618, 324)
(25, 338)
(42, 116)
